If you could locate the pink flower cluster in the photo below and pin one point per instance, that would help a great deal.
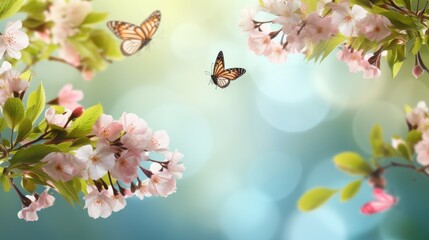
(295, 30)
(418, 119)
(35, 204)
(123, 148)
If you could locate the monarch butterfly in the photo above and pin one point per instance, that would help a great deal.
(221, 77)
(135, 37)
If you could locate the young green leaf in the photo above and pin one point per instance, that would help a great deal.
(13, 112)
(350, 190)
(9, 7)
(404, 151)
(5, 182)
(95, 17)
(28, 185)
(315, 198)
(24, 129)
(68, 191)
(36, 103)
(352, 163)
(31, 155)
(82, 126)
(106, 43)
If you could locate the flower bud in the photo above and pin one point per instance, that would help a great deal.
(417, 71)
(77, 112)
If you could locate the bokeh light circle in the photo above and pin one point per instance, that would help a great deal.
(250, 215)
(293, 117)
(182, 47)
(324, 223)
(291, 82)
(340, 87)
(275, 173)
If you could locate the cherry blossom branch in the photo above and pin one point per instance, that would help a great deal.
(421, 170)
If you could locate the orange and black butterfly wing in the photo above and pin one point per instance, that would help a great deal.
(218, 68)
(150, 25)
(135, 37)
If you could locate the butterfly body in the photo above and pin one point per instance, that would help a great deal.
(222, 77)
(135, 37)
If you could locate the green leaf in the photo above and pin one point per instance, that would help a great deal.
(310, 5)
(13, 112)
(315, 198)
(68, 191)
(398, 20)
(404, 151)
(24, 129)
(95, 17)
(36, 103)
(261, 3)
(107, 44)
(350, 190)
(417, 45)
(3, 124)
(5, 182)
(28, 185)
(9, 7)
(31, 155)
(82, 126)
(395, 68)
(413, 137)
(352, 163)
(324, 48)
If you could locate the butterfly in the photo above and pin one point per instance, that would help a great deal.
(382, 202)
(221, 77)
(135, 37)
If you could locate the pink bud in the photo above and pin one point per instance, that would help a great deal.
(417, 71)
(77, 112)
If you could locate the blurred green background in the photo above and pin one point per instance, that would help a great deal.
(251, 149)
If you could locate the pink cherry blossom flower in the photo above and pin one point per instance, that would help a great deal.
(126, 167)
(289, 23)
(5, 66)
(68, 97)
(61, 166)
(260, 41)
(87, 74)
(295, 43)
(133, 124)
(278, 53)
(382, 202)
(353, 59)
(246, 23)
(375, 27)
(107, 128)
(175, 168)
(284, 8)
(419, 113)
(370, 71)
(29, 213)
(159, 142)
(13, 40)
(161, 183)
(120, 202)
(98, 161)
(318, 29)
(137, 143)
(45, 200)
(57, 119)
(69, 54)
(422, 150)
(99, 204)
(143, 190)
(347, 19)
(14, 82)
(66, 16)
